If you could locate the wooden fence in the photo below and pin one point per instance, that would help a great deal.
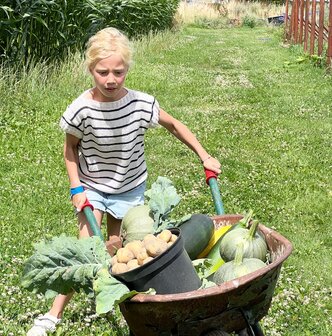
(301, 16)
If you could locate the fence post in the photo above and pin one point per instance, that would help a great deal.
(313, 27)
(306, 25)
(329, 39)
(286, 32)
(301, 20)
(321, 27)
(296, 21)
(291, 22)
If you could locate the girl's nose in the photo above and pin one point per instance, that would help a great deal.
(111, 80)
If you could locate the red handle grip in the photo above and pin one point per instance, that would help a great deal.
(87, 203)
(209, 174)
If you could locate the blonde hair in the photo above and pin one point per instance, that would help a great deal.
(107, 42)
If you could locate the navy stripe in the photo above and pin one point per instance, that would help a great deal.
(85, 148)
(115, 136)
(116, 119)
(118, 127)
(71, 125)
(114, 171)
(110, 110)
(116, 164)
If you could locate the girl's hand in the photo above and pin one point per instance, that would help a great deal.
(213, 164)
(78, 200)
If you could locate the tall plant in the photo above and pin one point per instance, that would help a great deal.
(34, 30)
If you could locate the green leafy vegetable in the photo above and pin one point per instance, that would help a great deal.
(162, 198)
(64, 264)
(110, 292)
(171, 223)
(202, 267)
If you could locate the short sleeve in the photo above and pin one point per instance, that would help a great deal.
(71, 122)
(155, 114)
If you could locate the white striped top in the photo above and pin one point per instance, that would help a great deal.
(111, 147)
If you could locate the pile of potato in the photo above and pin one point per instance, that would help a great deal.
(139, 252)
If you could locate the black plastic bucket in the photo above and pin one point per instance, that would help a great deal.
(169, 273)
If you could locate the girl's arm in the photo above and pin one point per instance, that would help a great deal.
(70, 152)
(183, 133)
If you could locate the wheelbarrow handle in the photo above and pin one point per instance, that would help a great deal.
(211, 180)
(87, 208)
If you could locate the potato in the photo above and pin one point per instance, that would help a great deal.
(174, 238)
(133, 263)
(135, 246)
(165, 235)
(156, 247)
(148, 238)
(114, 260)
(142, 255)
(119, 268)
(147, 260)
(124, 255)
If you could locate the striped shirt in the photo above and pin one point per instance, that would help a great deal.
(111, 147)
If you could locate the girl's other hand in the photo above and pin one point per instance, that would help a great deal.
(78, 200)
(212, 164)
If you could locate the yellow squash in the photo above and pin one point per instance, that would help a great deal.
(215, 237)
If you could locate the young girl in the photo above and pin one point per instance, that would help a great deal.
(104, 145)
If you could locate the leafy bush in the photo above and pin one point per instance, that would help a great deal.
(48, 29)
(249, 21)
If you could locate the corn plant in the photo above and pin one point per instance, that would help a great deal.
(39, 30)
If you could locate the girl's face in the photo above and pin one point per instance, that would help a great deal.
(109, 75)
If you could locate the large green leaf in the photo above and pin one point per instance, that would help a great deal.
(64, 264)
(162, 198)
(110, 292)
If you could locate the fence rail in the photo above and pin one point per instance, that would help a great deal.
(309, 22)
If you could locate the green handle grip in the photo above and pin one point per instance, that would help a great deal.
(87, 209)
(211, 180)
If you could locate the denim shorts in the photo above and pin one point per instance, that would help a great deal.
(116, 204)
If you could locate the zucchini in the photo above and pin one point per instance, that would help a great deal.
(196, 234)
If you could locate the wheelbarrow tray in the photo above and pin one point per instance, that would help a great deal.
(229, 306)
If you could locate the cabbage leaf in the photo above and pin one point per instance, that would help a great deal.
(65, 264)
(162, 199)
(110, 292)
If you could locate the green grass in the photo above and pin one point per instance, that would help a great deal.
(263, 114)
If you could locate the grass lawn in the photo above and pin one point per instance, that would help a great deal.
(265, 115)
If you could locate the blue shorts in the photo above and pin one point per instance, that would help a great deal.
(116, 204)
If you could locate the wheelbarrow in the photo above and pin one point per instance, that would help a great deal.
(234, 306)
